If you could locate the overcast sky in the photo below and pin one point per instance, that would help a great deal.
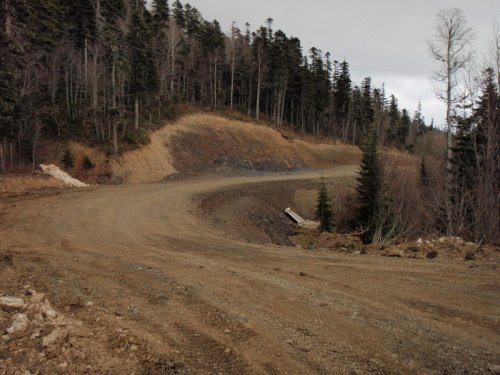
(383, 39)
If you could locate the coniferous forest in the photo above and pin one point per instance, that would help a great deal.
(103, 71)
(106, 72)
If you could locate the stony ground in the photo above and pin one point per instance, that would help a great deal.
(136, 279)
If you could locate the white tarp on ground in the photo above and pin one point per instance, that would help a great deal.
(62, 176)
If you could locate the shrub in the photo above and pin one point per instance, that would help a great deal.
(87, 162)
(137, 138)
(68, 159)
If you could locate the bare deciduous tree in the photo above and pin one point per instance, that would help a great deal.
(495, 51)
(451, 48)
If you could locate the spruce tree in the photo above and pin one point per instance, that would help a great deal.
(143, 75)
(161, 16)
(487, 148)
(369, 185)
(357, 113)
(87, 162)
(368, 112)
(161, 11)
(83, 27)
(178, 13)
(423, 173)
(342, 92)
(463, 178)
(68, 159)
(404, 129)
(324, 210)
(192, 20)
(11, 67)
(394, 121)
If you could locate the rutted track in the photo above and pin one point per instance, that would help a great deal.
(222, 306)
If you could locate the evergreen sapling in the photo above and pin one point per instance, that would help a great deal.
(324, 210)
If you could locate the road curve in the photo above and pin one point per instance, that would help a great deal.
(223, 306)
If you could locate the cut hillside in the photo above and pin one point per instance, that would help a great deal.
(201, 143)
(256, 212)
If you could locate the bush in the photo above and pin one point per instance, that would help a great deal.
(68, 159)
(137, 138)
(87, 162)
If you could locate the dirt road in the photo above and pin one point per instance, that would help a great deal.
(140, 258)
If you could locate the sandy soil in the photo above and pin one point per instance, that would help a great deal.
(152, 287)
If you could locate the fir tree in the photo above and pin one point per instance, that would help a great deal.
(87, 162)
(369, 185)
(404, 129)
(357, 112)
(342, 92)
(83, 21)
(11, 63)
(178, 14)
(367, 102)
(161, 12)
(423, 173)
(394, 121)
(487, 113)
(143, 72)
(192, 20)
(487, 148)
(324, 208)
(68, 159)
(463, 178)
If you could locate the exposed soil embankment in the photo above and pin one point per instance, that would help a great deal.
(256, 213)
(206, 144)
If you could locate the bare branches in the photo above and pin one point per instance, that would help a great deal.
(495, 51)
(450, 47)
